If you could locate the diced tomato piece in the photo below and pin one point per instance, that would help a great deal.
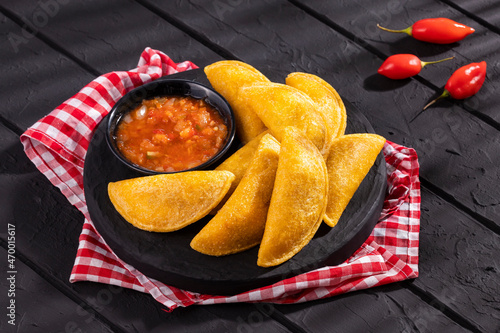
(187, 133)
(160, 138)
(159, 131)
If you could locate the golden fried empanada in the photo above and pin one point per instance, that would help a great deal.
(227, 77)
(325, 97)
(298, 200)
(239, 224)
(169, 202)
(351, 157)
(279, 106)
(238, 163)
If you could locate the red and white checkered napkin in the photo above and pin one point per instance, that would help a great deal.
(57, 145)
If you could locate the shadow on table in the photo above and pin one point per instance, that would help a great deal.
(13, 160)
(377, 82)
(407, 44)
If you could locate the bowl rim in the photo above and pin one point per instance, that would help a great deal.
(116, 111)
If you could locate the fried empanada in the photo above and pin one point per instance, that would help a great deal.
(327, 101)
(298, 200)
(238, 163)
(227, 77)
(351, 157)
(279, 106)
(168, 202)
(239, 224)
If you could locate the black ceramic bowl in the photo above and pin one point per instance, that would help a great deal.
(169, 87)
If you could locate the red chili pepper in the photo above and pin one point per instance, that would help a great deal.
(436, 30)
(464, 82)
(402, 66)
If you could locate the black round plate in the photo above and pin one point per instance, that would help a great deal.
(167, 257)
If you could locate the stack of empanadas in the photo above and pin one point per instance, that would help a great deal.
(295, 169)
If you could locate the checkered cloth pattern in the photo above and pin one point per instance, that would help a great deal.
(57, 145)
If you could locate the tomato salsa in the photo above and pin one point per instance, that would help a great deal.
(171, 133)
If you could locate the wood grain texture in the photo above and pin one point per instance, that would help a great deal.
(111, 35)
(39, 78)
(459, 263)
(388, 309)
(35, 298)
(484, 10)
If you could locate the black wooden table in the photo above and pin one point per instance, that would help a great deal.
(52, 48)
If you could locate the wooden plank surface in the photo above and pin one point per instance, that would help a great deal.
(382, 309)
(34, 299)
(39, 78)
(111, 35)
(459, 261)
(481, 10)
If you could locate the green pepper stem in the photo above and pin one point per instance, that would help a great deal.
(445, 93)
(424, 63)
(406, 31)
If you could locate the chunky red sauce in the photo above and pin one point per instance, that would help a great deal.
(171, 133)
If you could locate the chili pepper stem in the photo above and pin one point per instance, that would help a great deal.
(425, 63)
(406, 31)
(445, 93)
